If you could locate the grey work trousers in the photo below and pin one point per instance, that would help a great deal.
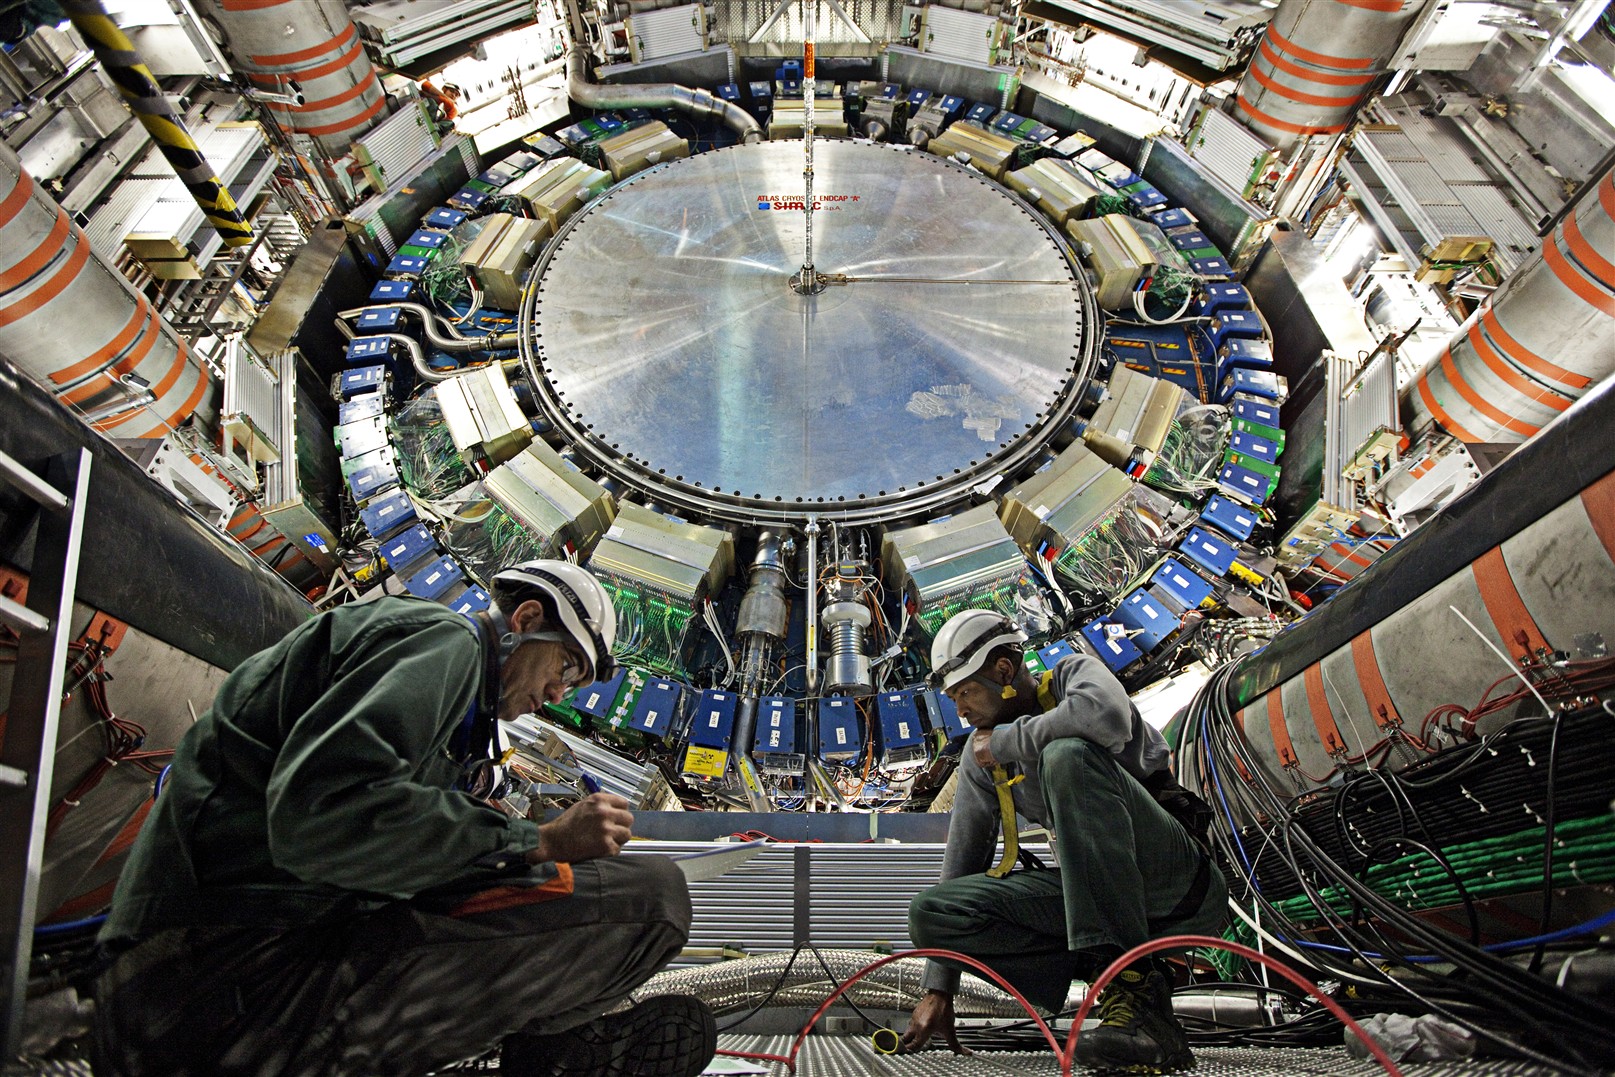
(392, 992)
(1125, 867)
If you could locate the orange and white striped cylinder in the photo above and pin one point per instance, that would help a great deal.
(1538, 590)
(1539, 342)
(1343, 560)
(78, 327)
(1316, 63)
(314, 44)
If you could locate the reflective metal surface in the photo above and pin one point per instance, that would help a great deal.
(664, 332)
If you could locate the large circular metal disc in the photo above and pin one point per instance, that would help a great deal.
(669, 336)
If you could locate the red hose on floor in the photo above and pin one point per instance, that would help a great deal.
(1067, 1053)
(1180, 942)
(987, 973)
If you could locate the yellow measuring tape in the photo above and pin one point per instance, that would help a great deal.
(1006, 808)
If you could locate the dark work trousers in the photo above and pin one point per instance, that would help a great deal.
(391, 992)
(1126, 867)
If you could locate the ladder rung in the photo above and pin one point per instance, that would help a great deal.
(31, 484)
(21, 617)
(12, 776)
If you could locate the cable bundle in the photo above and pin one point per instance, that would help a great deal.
(1321, 862)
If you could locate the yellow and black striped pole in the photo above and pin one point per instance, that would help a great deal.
(120, 60)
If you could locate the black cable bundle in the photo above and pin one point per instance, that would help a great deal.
(1489, 788)
(1503, 1004)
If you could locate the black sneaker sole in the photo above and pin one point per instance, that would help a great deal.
(1176, 1064)
(665, 1036)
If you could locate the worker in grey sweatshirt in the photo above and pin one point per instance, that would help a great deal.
(1073, 754)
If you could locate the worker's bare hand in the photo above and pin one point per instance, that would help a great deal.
(981, 743)
(598, 825)
(932, 1017)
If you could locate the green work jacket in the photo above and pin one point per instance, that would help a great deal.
(320, 777)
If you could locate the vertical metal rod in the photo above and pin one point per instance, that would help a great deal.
(802, 896)
(809, 31)
(812, 530)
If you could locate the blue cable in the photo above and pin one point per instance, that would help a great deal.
(1233, 829)
(1575, 930)
(72, 925)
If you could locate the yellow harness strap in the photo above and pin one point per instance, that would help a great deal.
(1006, 808)
(1002, 783)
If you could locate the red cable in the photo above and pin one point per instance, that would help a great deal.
(987, 973)
(1173, 942)
(1067, 1054)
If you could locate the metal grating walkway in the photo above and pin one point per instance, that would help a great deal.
(852, 1056)
(848, 1056)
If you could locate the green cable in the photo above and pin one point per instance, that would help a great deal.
(1509, 864)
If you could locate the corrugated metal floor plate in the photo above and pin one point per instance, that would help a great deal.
(848, 1056)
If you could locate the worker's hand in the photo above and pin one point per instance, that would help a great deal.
(932, 1017)
(598, 825)
(981, 743)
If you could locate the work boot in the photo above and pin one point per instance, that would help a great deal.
(665, 1036)
(1137, 1031)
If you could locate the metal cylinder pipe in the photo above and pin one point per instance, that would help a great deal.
(149, 561)
(444, 338)
(76, 326)
(764, 609)
(762, 622)
(1494, 381)
(1316, 63)
(1521, 565)
(307, 54)
(847, 670)
(698, 103)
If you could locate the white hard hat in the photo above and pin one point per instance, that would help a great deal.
(966, 640)
(587, 617)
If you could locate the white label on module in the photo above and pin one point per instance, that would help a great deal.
(1179, 580)
(650, 718)
(434, 577)
(902, 730)
(773, 739)
(841, 736)
(1244, 521)
(387, 510)
(1042, 512)
(1149, 611)
(594, 700)
(1115, 648)
(712, 723)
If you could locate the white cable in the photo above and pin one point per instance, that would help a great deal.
(1284, 948)
(711, 619)
(1547, 711)
(1183, 308)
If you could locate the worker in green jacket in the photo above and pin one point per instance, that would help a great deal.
(322, 888)
(1069, 751)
